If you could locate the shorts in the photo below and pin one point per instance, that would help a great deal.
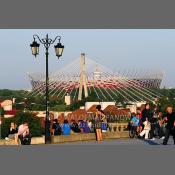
(11, 136)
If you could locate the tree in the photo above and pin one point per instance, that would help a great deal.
(19, 118)
(2, 112)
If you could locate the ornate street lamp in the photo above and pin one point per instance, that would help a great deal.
(59, 49)
(35, 51)
(35, 48)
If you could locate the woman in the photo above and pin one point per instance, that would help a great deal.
(12, 131)
(23, 134)
(99, 117)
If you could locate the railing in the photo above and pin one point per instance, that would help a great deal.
(117, 127)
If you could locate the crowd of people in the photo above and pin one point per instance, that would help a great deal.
(97, 125)
(148, 124)
(152, 124)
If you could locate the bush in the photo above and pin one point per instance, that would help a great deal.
(19, 118)
(1, 112)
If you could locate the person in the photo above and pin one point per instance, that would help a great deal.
(147, 128)
(12, 131)
(90, 125)
(84, 126)
(129, 123)
(74, 127)
(23, 134)
(56, 128)
(104, 125)
(170, 126)
(154, 124)
(135, 121)
(66, 130)
(147, 114)
(99, 116)
(161, 126)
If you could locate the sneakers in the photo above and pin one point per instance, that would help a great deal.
(152, 138)
(7, 138)
(162, 137)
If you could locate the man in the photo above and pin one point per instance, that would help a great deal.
(170, 127)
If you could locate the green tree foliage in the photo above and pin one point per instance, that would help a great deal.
(37, 103)
(1, 112)
(20, 117)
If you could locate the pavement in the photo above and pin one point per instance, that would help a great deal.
(123, 142)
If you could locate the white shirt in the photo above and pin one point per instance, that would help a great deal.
(23, 130)
(147, 125)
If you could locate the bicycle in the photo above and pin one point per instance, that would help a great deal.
(133, 131)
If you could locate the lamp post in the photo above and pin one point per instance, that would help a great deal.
(35, 51)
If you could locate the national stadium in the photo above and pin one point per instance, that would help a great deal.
(84, 76)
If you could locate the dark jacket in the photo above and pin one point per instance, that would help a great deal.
(57, 128)
(170, 120)
(75, 128)
(147, 113)
(13, 131)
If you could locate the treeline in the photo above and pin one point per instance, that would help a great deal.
(23, 99)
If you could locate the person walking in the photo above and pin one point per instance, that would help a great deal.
(170, 127)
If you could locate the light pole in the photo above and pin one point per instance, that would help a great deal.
(35, 51)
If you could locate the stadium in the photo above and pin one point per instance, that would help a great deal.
(83, 77)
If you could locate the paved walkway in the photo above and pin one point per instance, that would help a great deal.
(124, 142)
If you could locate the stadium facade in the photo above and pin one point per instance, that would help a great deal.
(84, 76)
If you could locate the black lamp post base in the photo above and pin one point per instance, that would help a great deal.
(48, 140)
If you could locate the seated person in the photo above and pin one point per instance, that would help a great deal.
(147, 128)
(23, 133)
(12, 131)
(66, 130)
(74, 127)
(85, 127)
(56, 128)
(104, 127)
(135, 123)
(90, 125)
(104, 124)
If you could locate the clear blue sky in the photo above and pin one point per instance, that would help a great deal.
(116, 49)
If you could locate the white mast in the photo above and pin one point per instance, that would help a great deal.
(83, 78)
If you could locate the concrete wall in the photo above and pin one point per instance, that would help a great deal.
(89, 137)
(72, 138)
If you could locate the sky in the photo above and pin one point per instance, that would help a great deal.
(113, 48)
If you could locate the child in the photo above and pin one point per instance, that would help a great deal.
(135, 121)
(147, 128)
